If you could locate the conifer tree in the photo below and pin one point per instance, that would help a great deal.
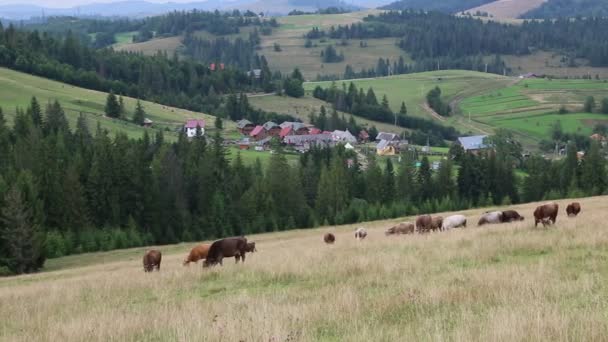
(112, 108)
(140, 114)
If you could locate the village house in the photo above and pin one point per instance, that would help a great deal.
(387, 136)
(272, 129)
(285, 131)
(305, 142)
(192, 125)
(343, 137)
(389, 144)
(297, 128)
(473, 144)
(364, 136)
(148, 123)
(245, 126)
(258, 133)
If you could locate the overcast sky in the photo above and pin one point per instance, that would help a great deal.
(70, 3)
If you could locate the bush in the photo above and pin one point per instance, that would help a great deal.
(55, 245)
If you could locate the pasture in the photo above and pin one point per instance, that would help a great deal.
(506, 282)
(507, 9)
(530, 107)
(18, 88)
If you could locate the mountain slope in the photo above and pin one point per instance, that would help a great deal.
(569, 8)
(447, 6)
(507, 9)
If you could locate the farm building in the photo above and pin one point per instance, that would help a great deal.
(285, 131)
(386, 148)
(305, 142)
(387, 136)
(258, 133)
(245, 126)
(272, 129)
(192, 125)
(298, 128)
(148, 123)
(473, 144)
(343, 136)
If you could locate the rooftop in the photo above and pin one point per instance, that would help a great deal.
(473, 142)
(193, 123)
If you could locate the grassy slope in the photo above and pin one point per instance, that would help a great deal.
(507, 9)
(529, 107)
(500, 283)
(18, 88)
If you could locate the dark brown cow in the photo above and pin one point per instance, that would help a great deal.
(424, 223)
(226, 248)
(251, 247)
(436, 223)
(152, 260)
(401, 228)
(573, 209)
(329, 238)
(546, 213)
(511, 216)
(199, 252)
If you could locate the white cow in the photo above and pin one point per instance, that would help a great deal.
(454, 221)
(360, 233)
(491, 217)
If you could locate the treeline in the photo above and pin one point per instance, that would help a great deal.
(334, 122)
(570, 9)
(238, 53)
(64, 192)
(434, 100)
(432, 35)
(170, 81)
(366, 105)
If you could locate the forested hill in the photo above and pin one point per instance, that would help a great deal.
(447, 6)
(570, 9)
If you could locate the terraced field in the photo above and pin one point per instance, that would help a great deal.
(530, 107)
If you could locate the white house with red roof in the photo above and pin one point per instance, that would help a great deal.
(191, 126)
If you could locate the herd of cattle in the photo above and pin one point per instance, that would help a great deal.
(237, 247)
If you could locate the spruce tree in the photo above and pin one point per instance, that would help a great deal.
(112, 108)
(35, 112)
(604, 108)
(140, 114)
(593, 177)
(424, 179)
(403, 110)
(589, 106)
(388, 191)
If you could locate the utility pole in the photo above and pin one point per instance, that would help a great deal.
(486, 68)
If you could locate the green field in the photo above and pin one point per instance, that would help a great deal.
(18, 88)
(530, 107)
(125, 37)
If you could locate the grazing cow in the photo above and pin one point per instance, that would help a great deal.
(251, 247)
(197, 253)
(491, 217)
(360, 233)
(546, 213)
(511, 216)
(573, 209)
(329, 238)
(152, 260)
(401, 228)
(226, 248)
(436, 223)
(424, 223)
(454, 221)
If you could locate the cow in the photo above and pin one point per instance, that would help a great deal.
(436, 223)
(401, 228)
(511, 216)
(424, 223)
(226, 248)
(491, 217)
(545, 213)
(360, 233)
(454, 221)
(199, 252)
(152, 260)
(329, 238)
(251, 247)
(573, 209)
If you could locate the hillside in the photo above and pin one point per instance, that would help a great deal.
(510, 282)
(570, 9)
(447, 6)
(507, 9)
(18, 88)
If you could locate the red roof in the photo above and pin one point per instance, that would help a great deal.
(193, 123)
(257, 130)
(314, 130)
(285, 131)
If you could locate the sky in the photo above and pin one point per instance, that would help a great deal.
(70, 3)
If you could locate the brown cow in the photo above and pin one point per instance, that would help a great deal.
(546, 213)
(251, 247)
(573, 209)
(152, 260)
(197, 253)
(511, 216)
(226, 248)
(329, 238)
(424, 223)
(436, 223)
(401, 228)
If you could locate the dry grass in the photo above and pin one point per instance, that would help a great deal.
(500, 283)
(508, 9)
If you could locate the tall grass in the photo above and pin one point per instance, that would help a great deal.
(498, 283)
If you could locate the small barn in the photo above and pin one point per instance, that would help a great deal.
(305, 142)
(473, 144)
(147, 123)
(245, 126)
(272, 129)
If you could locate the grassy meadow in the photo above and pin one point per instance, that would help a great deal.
(18, 88)
(530, 107)
(497, 283)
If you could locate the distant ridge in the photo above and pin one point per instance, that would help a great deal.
(447, 6)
